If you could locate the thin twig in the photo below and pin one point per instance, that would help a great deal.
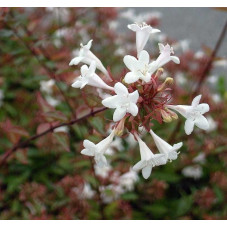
(28, 141)
(210, 61)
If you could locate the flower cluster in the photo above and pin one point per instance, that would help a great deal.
(138, 98)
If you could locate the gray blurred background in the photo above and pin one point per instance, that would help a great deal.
(201, 26)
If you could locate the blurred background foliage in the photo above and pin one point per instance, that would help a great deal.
(49, 178)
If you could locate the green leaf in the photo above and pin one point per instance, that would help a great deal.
(183, 205)
(110, 210)
(13, 182)
(129, 196)
(63, 140)
(168, 177)
(156, 210)
(97, 123)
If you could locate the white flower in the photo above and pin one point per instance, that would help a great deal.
(193, 114)
(123, 101)
(111, 192)
(200, 158)
(140, 68)
(180, 79)
(102, 172)
(127, 180)
(86, 56)
(47, 86)
(163, 58)
(98, 150)
(89, 77)
(169, 151)
(86, 193)
(212, 124)
(116, 144)
(143, 32)
(195, 172)
(216, 98)
(148, 159)
(52, 101)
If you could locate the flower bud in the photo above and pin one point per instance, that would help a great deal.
(166, 116)
(120, 127)
(159, 73)
(173, 114)
(167, 81)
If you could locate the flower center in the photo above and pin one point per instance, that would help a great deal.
(194, 114)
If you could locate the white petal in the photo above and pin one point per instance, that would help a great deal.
(203, 108)
(172, 155)
(88, 144)
(146, 171)
(145, 152)
(111, 102)
(161, 144)
(92, 68)
(131, 77)
(154, 30)
(130, 62)
(144, 57)
(104, 144)
(175, 59)
(120, 89)
(159, 159)
(177, 146)
(189, 126)
(101, 161)
(96, 81)
(147, 29)
(161, 47)
(133, 109)
(196, 100)
(76, 61)
(141, 40)
(153, 66)
(133, 27)
(84, 70)
(89, 44)
(119, 113)
(88, 152)
(139, 165)
(134, 96)
(77, 84)
(202, 122)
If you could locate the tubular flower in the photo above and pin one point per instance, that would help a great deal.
(124, 102)
(164, 57)
(143, 32)
(148, 159)
(139, 68)
(98, 150)
(193, 114)
(169, 151)
(86, 56)
(89, 77)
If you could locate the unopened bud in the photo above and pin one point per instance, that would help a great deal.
(120, 127)
(172, 114)
(167, 81)
(159, 73)
(166, 116)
